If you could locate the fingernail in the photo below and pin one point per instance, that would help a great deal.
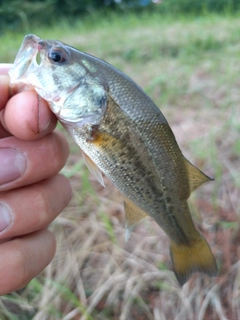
(5, 217)
(13, 164)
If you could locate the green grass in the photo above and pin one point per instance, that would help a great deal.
(190, 67)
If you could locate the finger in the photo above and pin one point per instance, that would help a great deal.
(23, 258)
(4, 96)
(5, 67)
(4, 90)
(26, 162)
(28, 117)
(3, 132)
(28, 209)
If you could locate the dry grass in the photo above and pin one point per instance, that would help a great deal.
(191, 69)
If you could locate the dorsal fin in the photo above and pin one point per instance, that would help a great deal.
(133, 215)
(195, 176)
(93, 168)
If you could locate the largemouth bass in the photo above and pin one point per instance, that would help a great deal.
(123, 134)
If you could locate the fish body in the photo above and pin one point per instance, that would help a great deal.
(123, 134)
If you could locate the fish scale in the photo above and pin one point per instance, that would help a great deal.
(123, 134)
(156, 206)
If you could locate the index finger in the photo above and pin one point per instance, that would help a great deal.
(4, 89)
(4, 83)
(5, 67)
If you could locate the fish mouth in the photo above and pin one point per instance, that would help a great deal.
(27, 54)
(31, 40)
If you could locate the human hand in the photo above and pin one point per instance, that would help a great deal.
(32, 193)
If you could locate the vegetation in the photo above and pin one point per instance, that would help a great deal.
(190, 67)
(20, 14)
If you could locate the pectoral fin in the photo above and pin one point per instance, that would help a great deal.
(133, 215)
(95, 171)
(195, 176)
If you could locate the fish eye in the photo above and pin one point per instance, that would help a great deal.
(58, 55)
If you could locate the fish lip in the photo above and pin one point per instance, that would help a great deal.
(30, 41)
(27, 59)
(26, 54)
(34, 42)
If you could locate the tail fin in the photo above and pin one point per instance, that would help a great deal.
(191, 258)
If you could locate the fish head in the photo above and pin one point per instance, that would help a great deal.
(64, 77)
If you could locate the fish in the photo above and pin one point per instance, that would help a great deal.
(123, 134)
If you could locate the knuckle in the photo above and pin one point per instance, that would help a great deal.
(52, 197)
(58, 151)
(21, 263)
(41, 206)
(67, 193)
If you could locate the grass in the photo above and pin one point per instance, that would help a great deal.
(190, 67)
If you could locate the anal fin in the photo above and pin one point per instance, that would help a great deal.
(195, 176)
(93, 168)
(133, 215)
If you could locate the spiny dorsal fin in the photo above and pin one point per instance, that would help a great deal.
(133, 215)
(195, 176)
(93, 168)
